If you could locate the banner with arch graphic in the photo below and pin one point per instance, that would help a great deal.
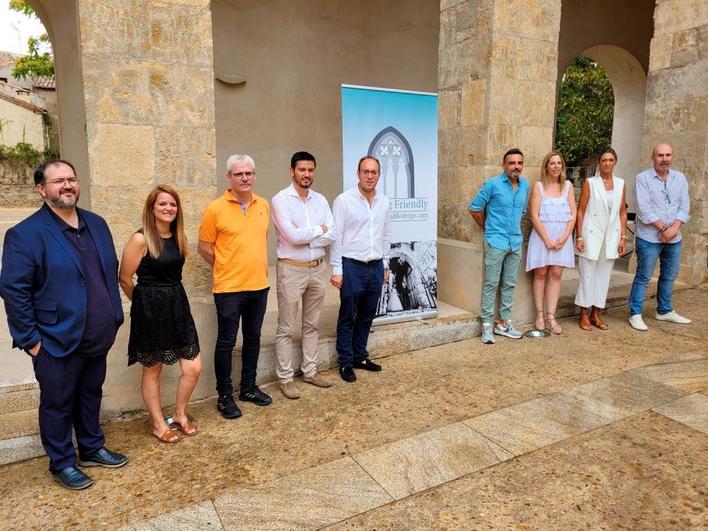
(400, 128)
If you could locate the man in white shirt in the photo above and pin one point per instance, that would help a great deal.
(304, 226)
(663, 204)
(359, 261)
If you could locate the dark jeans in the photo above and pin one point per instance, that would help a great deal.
(248, 307)
(70, 395)
(359, 295)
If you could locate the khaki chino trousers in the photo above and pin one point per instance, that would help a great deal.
(295, 284)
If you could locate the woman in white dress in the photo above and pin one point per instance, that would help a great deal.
(550, 250)
(600, 237)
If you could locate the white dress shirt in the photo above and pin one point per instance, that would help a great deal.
(298, 224)
(658, 200)
(363, 230)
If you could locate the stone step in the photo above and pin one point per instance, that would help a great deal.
(18, 403)
(20, 448)
(19, 424)
(20, 397)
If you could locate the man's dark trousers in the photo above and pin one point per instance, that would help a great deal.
(70, 394)
(249, 307)
(359, 296)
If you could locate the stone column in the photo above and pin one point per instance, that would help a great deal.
(497, 87)
(677, 113)
(148, 86)
(149, 90)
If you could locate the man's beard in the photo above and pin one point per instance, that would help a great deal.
(63, 201)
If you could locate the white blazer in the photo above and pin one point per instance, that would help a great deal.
(600, 224)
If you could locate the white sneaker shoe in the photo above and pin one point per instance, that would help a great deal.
(637, 323)
(487, 335)
(672, 317)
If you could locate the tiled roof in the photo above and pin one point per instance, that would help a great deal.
(8, 58)
(44, 82)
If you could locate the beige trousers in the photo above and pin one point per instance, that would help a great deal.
(295, 284)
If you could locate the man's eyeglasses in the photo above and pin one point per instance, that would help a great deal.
(247, 174)
(666, 196)
(373, 173)
(61, 182)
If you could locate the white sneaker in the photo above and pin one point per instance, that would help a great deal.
(487, 335)
(507, 330)
(637, 323)
(672, 317)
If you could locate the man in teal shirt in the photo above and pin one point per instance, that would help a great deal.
(497, 209)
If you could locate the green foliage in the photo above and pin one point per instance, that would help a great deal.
(34, 64)
(24, 153)
(585, 111)
(22, 6)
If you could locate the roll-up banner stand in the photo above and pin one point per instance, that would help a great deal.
(400, 128)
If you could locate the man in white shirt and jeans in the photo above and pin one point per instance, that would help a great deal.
(359, 259)
(305, 227)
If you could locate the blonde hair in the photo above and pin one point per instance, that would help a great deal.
(153, 241)
(545, 178)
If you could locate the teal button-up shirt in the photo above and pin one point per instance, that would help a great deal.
(504, 207)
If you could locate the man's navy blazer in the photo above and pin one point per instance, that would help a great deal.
(42, 282)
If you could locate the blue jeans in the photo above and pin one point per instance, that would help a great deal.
(669, 256)
(359, 296)
(249, 308)
(501, 267)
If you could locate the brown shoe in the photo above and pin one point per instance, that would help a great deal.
(584, 321)
(317, 380)
(289, 390)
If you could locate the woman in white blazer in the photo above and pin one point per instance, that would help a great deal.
(600, 238)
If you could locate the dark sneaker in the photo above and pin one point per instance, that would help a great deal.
(103, 457)
(226, 405)
(347, 374)
(73, 478)
(256, 396)
(367, 365)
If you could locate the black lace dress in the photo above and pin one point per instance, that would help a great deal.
(161, 326)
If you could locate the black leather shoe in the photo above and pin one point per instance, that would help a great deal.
(103, 457)
(367, 365)
(347, 374)
(226, 405)
(73, 478)
(256, 396)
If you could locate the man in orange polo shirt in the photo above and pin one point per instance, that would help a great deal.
(232, 239)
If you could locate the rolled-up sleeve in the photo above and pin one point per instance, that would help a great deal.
(479, 203)
(645, 211)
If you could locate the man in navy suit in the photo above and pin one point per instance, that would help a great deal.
(59, 281)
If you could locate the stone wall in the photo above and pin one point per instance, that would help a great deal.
(20, 123)
(17, 185)
(497, 84)
(677, 112)
(149, 96)
(148, 87)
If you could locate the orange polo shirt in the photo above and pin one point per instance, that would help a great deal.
(240, 250)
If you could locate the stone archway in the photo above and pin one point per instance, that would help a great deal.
(60, 19)
(629, 83)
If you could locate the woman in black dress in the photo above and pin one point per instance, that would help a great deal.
(162, 330)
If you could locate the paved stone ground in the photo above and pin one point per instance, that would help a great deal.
(592, 430)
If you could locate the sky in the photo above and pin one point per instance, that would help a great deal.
(16, 28)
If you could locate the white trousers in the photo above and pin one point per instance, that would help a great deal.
(594, 281)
